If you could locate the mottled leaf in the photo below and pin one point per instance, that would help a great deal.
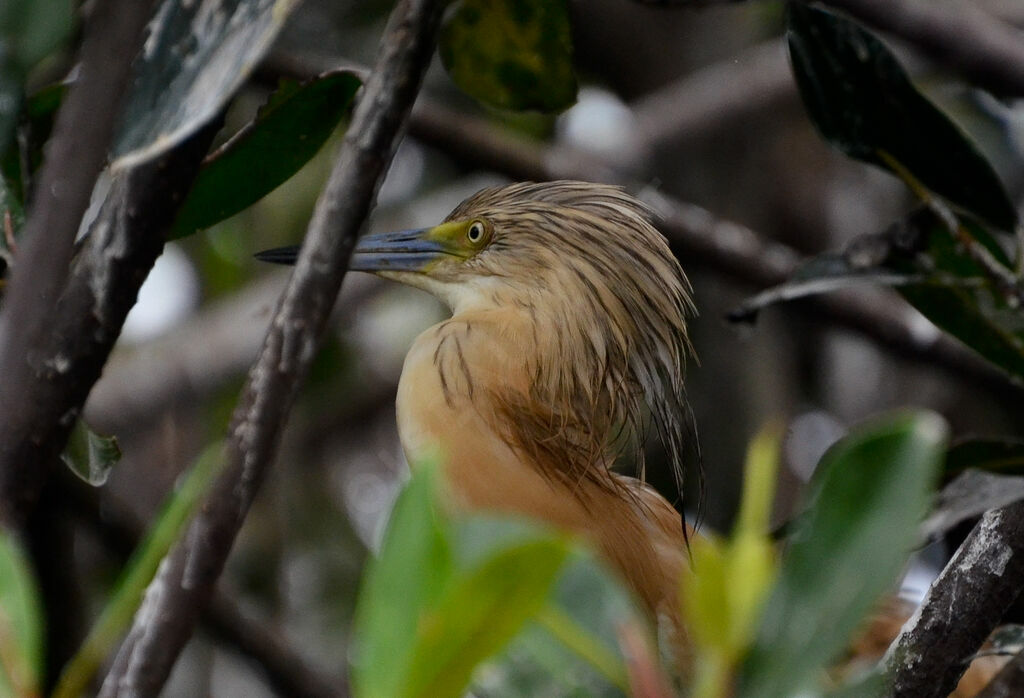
(21, 622)
(195, 57)
(865, 502)
(288, 130)
(511, 54)
(862, 101)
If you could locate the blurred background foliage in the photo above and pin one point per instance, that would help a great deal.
(698, 104)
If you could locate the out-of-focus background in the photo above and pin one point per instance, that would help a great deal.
(696, 104)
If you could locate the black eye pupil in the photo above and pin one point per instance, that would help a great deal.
(475, 231)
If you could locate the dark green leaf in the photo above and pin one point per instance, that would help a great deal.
(869, 493)
(91, 456)
(862, 101)
(511, 54)
(195, 57)
(288, 130)
(999, 456)
(21, 622)
(411, 573)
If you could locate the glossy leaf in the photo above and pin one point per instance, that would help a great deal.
(195, 57)
(865, 502)
(862, 101)
(21, 623)
(511, 54)
(91, 456)
(410, 575)
(288, 130)
(116, 616)
(968, 496)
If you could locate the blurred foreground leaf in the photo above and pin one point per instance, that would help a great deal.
(21, 623)
(91, 456)
(286, 133)
(730, 579)
(511, 54)
(862, 101)
(446, 595)
(409, 576)
(868, 495)
(117, 614)
(195, 57)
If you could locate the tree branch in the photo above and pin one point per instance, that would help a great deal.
(961, 608)
(186, 578)
(35, 382)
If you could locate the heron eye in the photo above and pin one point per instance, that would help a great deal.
(475, 232)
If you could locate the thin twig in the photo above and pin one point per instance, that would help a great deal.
(963, 605)
(74, 157)
(187, 576)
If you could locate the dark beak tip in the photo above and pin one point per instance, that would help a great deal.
(279, 255)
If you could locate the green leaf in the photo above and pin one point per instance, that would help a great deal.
(409, 576)
(1000, 456)
(511, 54)
(91, 456)
(862, 101)
(117, 614)
(479, 614)
(196, 55)
(288, 130)
(21, 623)
(868, 496)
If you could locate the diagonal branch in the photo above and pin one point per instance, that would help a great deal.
(961, 608)
(186, 578)
(33, 390)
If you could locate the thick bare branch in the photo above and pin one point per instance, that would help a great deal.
(961, 608)
(34, 381)
(186, 578)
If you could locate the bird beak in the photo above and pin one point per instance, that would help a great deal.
(403, 250)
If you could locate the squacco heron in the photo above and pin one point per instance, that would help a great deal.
(567, 338)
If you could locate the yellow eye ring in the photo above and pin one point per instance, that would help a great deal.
(475, 232)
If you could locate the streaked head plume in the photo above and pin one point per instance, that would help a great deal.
(610, 303)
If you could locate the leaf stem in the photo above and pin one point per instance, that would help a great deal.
(566, 630)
